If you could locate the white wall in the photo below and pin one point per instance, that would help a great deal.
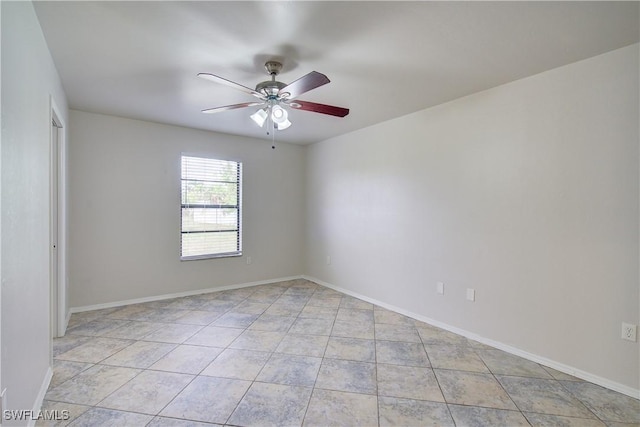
(29, 78)
(125, 210)
(527, 192)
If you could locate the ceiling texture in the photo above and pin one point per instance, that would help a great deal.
(384, 59)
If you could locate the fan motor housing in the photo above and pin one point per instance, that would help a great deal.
(270, 87)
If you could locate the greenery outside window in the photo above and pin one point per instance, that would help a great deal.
(210, 208)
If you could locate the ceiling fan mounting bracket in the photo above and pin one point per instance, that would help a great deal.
(273, 67)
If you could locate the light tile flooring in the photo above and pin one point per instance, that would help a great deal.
(295, 353)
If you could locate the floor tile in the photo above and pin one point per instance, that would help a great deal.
(401, 353)
(408, 382)
(332, 301)
(233, 319)
(68, 342)
(67, 411)
(297, 300)
(199, 317)
(346, 375)
(160, 315)
(173, 333)
(214, 336)
(258, 340)
(382, 315)
(351, 349)
(187, 359)
(471, 388)
(217, 306)
(272, 323)
(543, 396)
(175, 422)
(351, 302)
(316, 312)
(95, 350)
(237, 364)
(473, 416)
(462, 358)
(543, 420)
(93, 385)
(134, 330)
(96, 327)
(147, 393)
(503, 363)
(87, 316)
(265, 297)
(186, 303)
(140, 354)
(266, 354)
(207, 399)
(560, 375)
(408, 412)
(303, 345)
(294, 304)
(354, 315)
(431, 335)
(272, 405)
(64, 370)
(397, 333)
(363, 330)
(606, 404)
(129, 312)
(100, 417)
(291, 370)
(283, 309)
(311, 326)
(251, 307)
(338, 408)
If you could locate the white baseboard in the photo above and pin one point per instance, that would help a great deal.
(40, 398)
(176, 295)
(587, 376)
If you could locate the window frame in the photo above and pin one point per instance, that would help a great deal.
(237, 206)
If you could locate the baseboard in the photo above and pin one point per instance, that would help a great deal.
(176, 295)
(37, 406)
(587, 376)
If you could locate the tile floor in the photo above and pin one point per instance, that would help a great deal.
(296, 353)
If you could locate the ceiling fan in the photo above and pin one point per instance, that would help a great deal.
(274, 95)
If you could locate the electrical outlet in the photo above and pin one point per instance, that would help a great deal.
(440, 288)
(328, 259)
(628, 332)
(471, 294)
(249, 260)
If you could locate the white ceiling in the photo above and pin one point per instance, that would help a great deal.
(384, 59)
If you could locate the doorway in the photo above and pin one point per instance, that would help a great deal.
(57, 211)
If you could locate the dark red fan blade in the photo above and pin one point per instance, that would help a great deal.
(319, 108)
(304, 84)
(231, 107)
(218, 79)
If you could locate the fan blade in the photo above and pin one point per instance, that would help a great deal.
(218, 79)
(319, 108)
(231, 107)
(304, 84)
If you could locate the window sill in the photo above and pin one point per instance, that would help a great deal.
(212, 256)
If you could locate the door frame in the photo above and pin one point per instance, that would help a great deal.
(58, 296)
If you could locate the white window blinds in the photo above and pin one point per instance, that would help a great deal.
(211, 208)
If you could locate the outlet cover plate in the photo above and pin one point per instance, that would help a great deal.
(629, 332)
(440, 288)
(471, 294)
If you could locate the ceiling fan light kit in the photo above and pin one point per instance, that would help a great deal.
(275, 95)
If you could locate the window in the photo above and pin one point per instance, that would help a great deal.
(211, 208)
